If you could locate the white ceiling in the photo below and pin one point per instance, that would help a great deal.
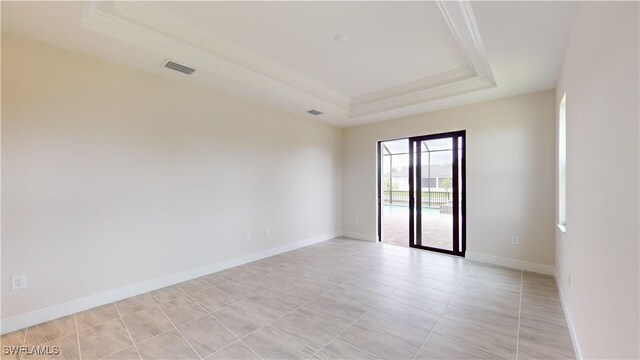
(404, 35)
(400, 58)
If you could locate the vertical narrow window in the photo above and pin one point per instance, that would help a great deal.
(562, 164)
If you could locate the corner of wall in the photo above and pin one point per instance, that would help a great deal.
(567, 315)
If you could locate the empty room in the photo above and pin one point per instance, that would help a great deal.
(320, 180)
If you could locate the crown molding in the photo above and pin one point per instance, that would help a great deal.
(477, 76)
(436, 87)
(422, 96)
(143, 24)
(443, 79)
(164, 22)
(148, 26)
(462, 23)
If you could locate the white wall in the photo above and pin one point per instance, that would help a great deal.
(600, 250)
(112, 176)
(510, 187)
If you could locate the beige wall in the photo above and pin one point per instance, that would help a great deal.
(510, 188)
(600, 250)
(112, 176)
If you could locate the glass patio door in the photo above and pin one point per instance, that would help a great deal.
(436, 192)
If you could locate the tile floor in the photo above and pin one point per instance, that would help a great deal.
(341, 299)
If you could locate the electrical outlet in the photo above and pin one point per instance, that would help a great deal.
(247, 236)
(19, 282)
(515, 240)
(267, 233)
(357, 220)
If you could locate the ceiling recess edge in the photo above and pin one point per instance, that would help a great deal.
(147, 26)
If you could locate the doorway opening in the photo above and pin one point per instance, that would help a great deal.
(421, 192)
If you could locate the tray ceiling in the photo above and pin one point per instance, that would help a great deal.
(398, 58)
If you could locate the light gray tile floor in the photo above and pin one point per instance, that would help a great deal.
(340, 299)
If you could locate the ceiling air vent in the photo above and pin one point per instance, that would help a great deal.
(181, 68)
(314, 112)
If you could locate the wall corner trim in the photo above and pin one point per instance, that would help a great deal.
(74, 306)
(511, 263)
(567, 315)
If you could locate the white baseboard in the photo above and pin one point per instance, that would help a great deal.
(511, 263)
(358, 236)
(74, 306)
(567, 315)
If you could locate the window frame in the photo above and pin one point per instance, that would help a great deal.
(562, 164)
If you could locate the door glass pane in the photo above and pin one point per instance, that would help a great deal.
(460, 192)
(436, 186)
(395, 192)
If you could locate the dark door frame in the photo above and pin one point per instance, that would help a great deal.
(459, 232)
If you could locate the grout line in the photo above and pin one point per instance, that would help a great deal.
(230, 297)
(443, 311)
(237, 337)
(24, 340)
(188, 343)
(287, 313)
(234, 300)
(108, 321)
(190, 321)
(75, 318)
(323, 267)
(226, 346)
(250, 348)
(128, 314)
(298, 307)
(122, 319)
(519, 312)
(160, 303)
(178, 330)
(210, 313)
(128, 333)
(104, 322)
(373, 356)
(141, 342)
(282, 316)
(347, 328)
(77, 332)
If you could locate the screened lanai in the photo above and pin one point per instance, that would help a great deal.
(436, 192)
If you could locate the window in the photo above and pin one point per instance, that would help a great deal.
(429, 183)
(562, 164)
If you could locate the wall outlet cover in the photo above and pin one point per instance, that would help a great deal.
(19, 282)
